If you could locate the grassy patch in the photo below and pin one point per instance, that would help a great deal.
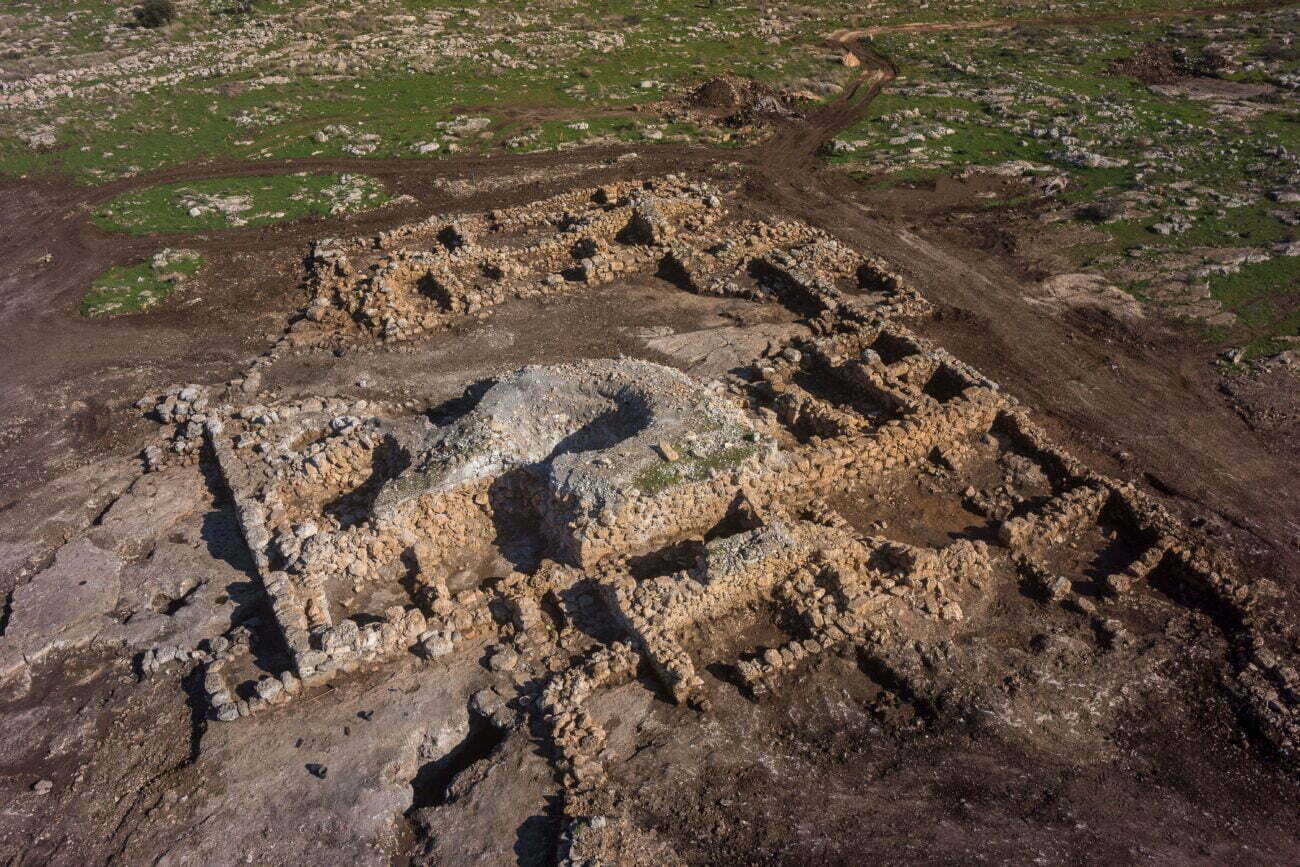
(1168, 174)
(135, 288)
(1257, 288)
(223, 203)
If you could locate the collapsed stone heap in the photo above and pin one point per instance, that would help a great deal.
(652, 507)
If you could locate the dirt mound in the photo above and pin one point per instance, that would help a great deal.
(744, 100)
(721, 93)
(1154, 63)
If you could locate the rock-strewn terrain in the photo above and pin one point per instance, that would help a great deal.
(671, 434)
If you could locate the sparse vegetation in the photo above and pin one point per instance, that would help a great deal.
(383, 78)
(135, 288)
(1171, 151)
(237, 202)
(661, 476)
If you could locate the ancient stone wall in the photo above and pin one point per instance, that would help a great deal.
(334, 513)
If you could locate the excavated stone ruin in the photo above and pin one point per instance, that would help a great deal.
(589, 520)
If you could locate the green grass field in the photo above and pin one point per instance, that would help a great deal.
(136, 288)
(392, 70)
(261, 85)
(222, 203)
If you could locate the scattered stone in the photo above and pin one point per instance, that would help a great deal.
(1117, 583)
(503, 659)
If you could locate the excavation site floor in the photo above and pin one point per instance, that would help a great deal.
(671, 507)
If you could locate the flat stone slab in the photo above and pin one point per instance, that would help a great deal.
(152, 505)
(65, 606)
(712, 352)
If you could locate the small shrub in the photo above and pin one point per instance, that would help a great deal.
(155, 13)
(1101, 212)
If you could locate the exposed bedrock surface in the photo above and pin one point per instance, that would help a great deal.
(593, 434)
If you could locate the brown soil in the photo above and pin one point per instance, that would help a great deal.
(1154, 63)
